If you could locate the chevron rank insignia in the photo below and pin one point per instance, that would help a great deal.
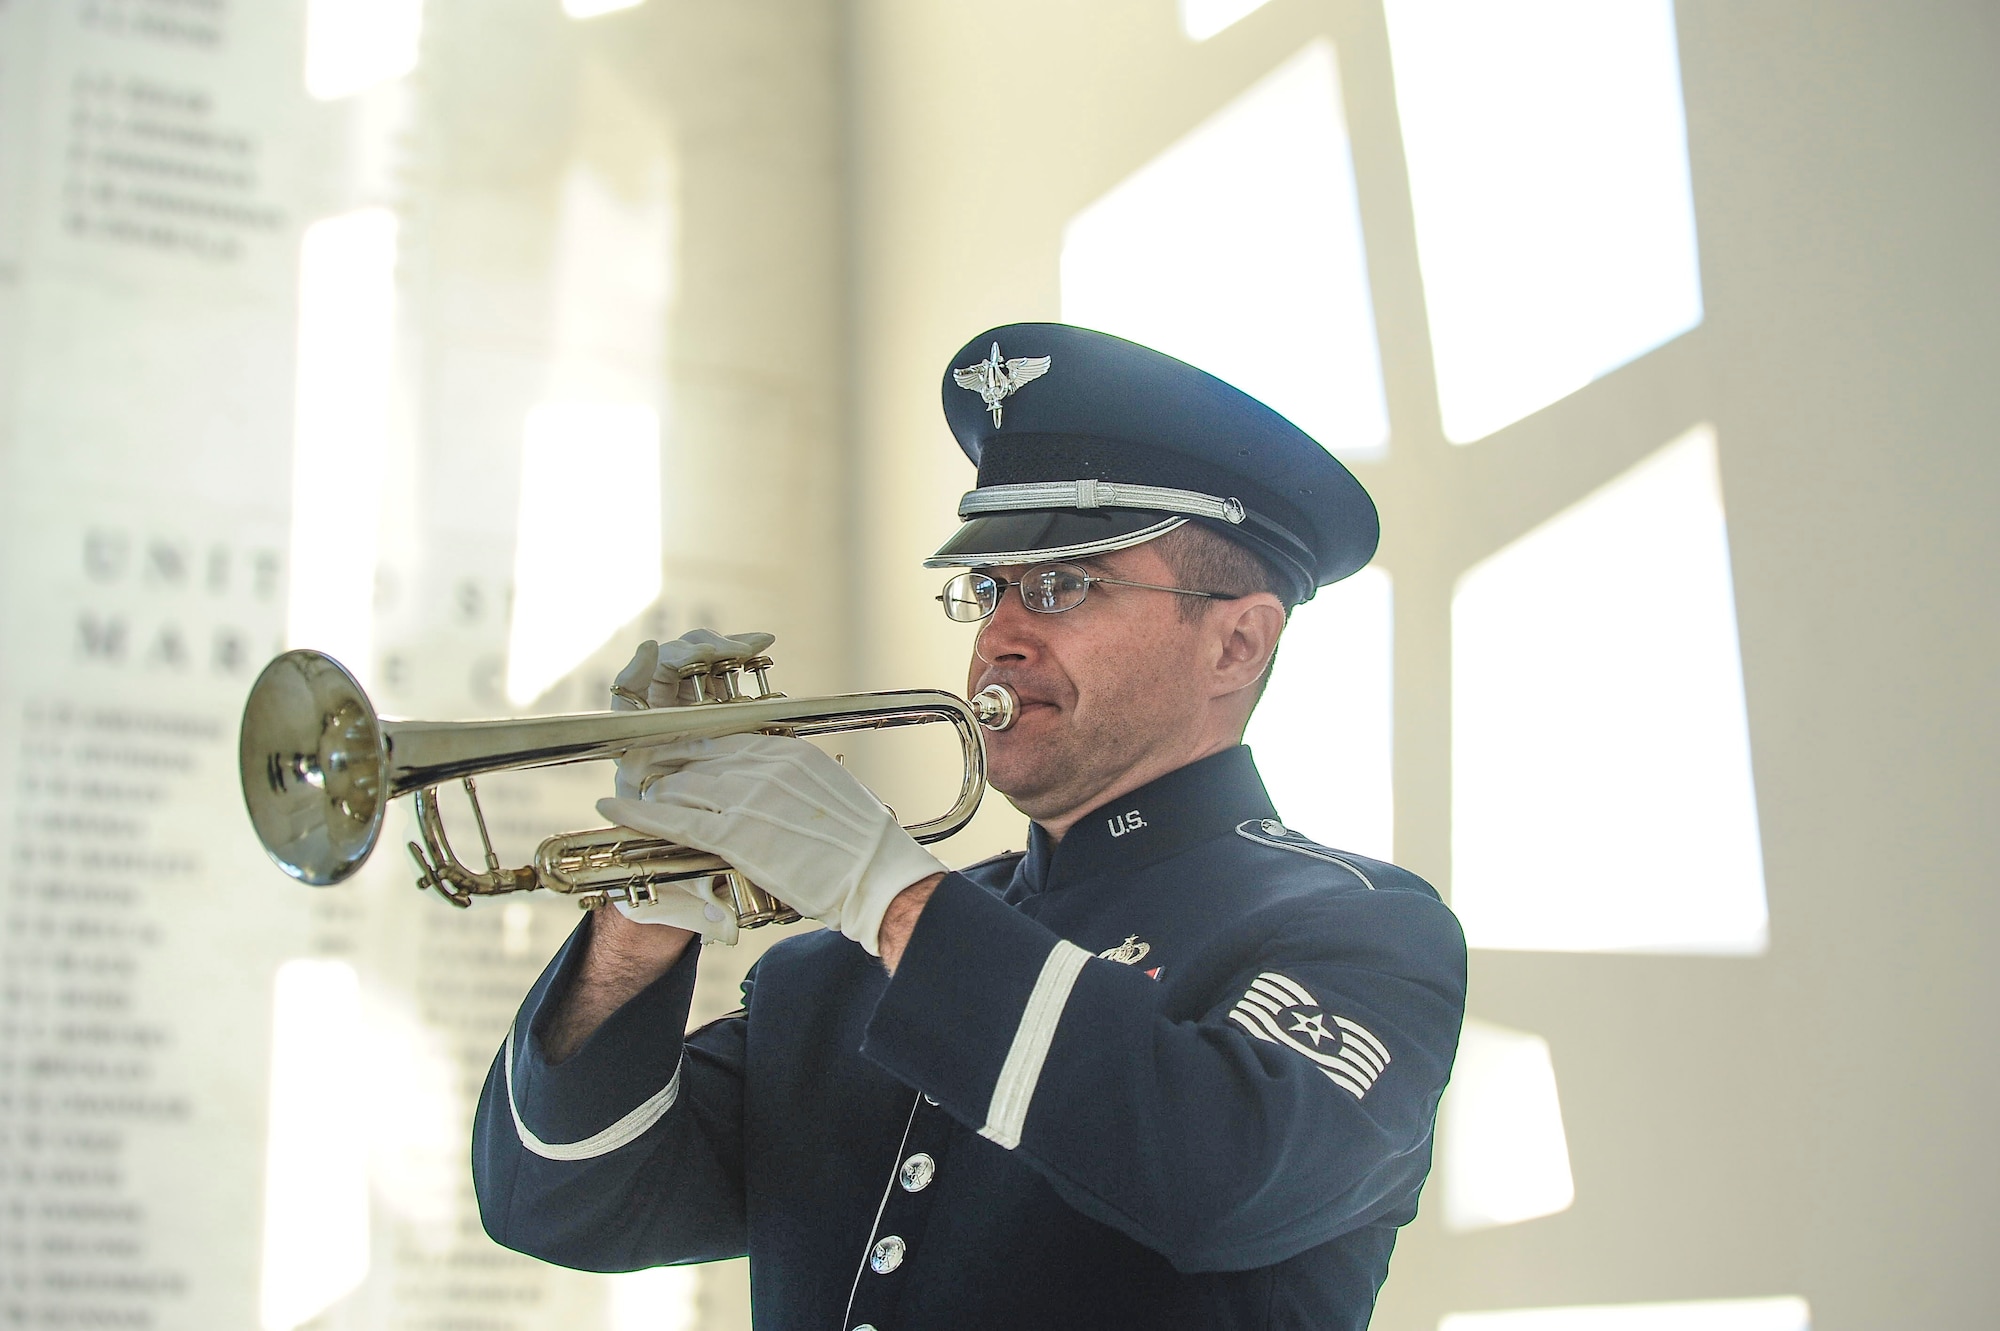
(1279, 1010)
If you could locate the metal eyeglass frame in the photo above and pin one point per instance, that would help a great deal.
(1000, 586)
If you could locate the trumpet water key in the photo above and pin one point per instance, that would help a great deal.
(319, 769)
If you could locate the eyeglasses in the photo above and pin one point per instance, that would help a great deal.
(1046, 589)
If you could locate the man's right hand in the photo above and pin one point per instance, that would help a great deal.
(634, 945)
(654, 674)
(695, 905)
(655, 670)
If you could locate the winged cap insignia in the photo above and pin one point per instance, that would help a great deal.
(993, 378)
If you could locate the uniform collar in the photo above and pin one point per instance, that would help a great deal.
(1205, 799)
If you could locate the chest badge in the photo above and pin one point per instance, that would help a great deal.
(1127, 952)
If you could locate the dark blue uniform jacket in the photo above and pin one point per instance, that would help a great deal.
(1178, 1070)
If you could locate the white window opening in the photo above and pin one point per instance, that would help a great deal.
(1503, 1156)
(1324, 731)
(1202, 19)
(1602, 798)
(1239, 250)
(1547, 152)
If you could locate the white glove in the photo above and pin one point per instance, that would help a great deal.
(789, 818)
(696, 905)
(654, 673)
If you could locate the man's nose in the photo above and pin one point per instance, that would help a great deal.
(1010, 633)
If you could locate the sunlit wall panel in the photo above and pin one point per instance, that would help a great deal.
(355, 44)
(612, 275)
(1775, 1314)
(1239, 249)
(579, 573)
(659, 1299)
(412, 1104)
(1503, 1156)
(1547, 154)
(1202, 19)
(1601, 781)
(599, 434)
(347, 322)
(316, 1180)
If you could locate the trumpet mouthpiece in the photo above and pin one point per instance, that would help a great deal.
(994, 706)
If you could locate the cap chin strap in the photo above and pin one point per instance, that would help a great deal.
(1089, 494)
(1057, 553)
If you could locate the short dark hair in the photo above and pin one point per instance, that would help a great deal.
(1205, 560)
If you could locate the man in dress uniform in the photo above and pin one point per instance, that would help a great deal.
(1175, 1066)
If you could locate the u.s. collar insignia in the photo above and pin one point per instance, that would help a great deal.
(1127, 952)
(994, 378)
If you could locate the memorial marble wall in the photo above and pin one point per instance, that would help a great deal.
(637, 210)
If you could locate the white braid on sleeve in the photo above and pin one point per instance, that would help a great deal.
(1021, 1072)
(627, 1129)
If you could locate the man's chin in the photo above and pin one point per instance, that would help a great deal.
(1035, 809)
(1033, 793)
(1043, 774)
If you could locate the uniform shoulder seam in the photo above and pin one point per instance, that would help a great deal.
(1252, 829)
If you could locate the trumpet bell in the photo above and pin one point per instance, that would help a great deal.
(315, 764)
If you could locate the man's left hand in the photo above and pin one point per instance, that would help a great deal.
(788, 817)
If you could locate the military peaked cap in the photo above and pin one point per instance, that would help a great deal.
(1087, 443)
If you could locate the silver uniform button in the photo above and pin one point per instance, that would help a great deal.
(928, 1100)
(917, 1172)
(1272, 827)
(865, 1326)
(888, 1255)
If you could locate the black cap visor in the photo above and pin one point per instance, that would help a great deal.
(1035, 536)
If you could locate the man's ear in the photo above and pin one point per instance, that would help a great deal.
(1248, 630)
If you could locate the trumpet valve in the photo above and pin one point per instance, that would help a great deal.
(697, 674)
(726, 679)
(759, 670)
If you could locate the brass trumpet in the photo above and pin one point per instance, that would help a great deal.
(319, 768)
